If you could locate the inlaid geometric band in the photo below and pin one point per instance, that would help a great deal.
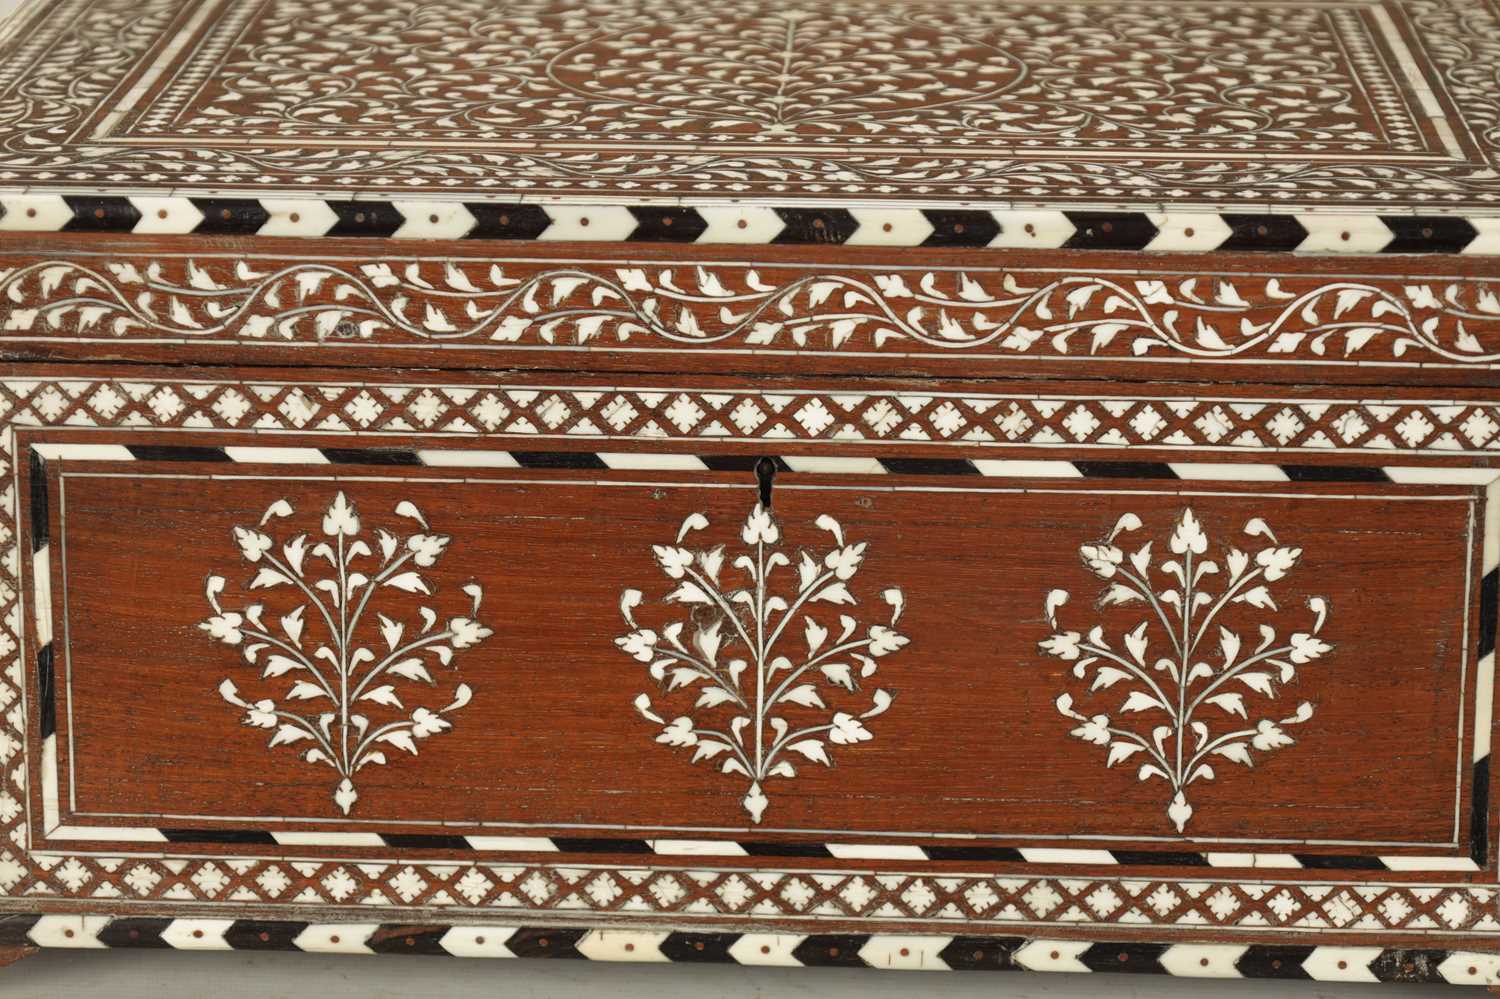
(1303, 232)
(595, 847)
(811, 464)
(43, 452)
(878, 950)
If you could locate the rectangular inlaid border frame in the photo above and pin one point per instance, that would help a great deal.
(514, 838)
(1245, 906)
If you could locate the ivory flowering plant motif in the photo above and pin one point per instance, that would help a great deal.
(765, 645)
(1183, 675)
(336, 646)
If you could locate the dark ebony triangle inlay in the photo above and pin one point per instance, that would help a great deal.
(15, 926)
(133, 931)
(960, 228)
(1110, 231)
(263, 934)
(365, 218)
(1252, 233)
(1273, 962)
(1489, 593)
(786, 850)
(815, 225)
(1125, 470)
(558, 459)
(699, 947)
(398, 939)
(832, 950)
(41, 520)
(370, 456)
(176, 452)
(928, 466)
(541, 941)
(982, 953)
(507, 221)
(424, 841)
(230, 217)
(1334, 473)
(1441, 234)
(46, 691)
(1337, 862)
(578, 844)
(1139, 958)
(1159, 858)
(101, 214)
(241, 837)
(975, 854)
(667, 225)
(1479, 813)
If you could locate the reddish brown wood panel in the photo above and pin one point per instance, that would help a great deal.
(880, 483)
(763, 309)
(973, 744)
(1374, 818)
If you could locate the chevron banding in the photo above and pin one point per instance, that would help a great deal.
(934, 952)
(784, 225)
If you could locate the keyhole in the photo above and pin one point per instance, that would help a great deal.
(765, 472)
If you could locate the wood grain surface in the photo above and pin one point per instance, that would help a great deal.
(972, 745)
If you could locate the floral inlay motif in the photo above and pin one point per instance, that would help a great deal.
(1184, 671)
(337, 668)
(1211, 103)
(765, 639)
(999, 312)
(668, 70)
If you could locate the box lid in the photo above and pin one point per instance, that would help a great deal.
(1350, 126)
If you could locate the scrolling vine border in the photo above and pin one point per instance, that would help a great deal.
(1014, 312)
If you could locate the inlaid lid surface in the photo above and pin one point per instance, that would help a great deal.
(1367, 107)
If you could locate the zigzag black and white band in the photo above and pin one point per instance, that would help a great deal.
(911, 952)
(1488, 596)
(811, 464)
(1301, 232)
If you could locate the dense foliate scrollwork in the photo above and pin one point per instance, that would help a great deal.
(985, 311)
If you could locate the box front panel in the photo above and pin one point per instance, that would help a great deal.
(274, 660)
(552, 737)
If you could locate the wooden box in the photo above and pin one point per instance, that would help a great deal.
(864, 482)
